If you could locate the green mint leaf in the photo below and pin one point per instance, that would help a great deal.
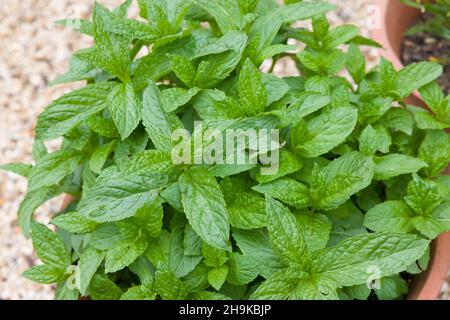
(116, 196)
(288, 163)
(70, 110)
(111, 51)
(343, 178)
(222, 57)
(247, 211)
(125, 107)
(390, 216)
(102, 288)
(256, 246)
(320, 26)
(325, 132)
(158, 249)
(274, 50)
(425, 120)
(276, 87)
(323, 62)
(277, 287)
(103, 126)
(287, 190)
(339, 35)
(348, 262)
(242, 269)
(315, 288)
(356, 63)
(172, 195)
(442, 214)
(148, 162)
(132, 245)
(78, 70)
(374, 109)
(192, 242)
(205, 207)
(435, 151)
(262, 33)
(28, 206)
(252, 92)
(52, 169)
(44, 274)
(18, 168)
(39, 150)
(429, 226)
(375, 139)
(359, 292)
(100, 156)
(226, 13)
(217, 277)
(363, 41)
(368, 143)
(74, 223)
(168, 286)
(183, 68)
(303, 10)
(394, 165)
(416, 75)
(197, 280)
(144, 270)
(174, 98)
(306, 104)
(168, 16)
(136, 143)
(138, 293)
(347, 221)
(423, 196)
(150, 217)
(88, 264)
(64, 293)
(285, 233)
(434, 97)
(179, 263)
(388, 76)
(84, 27)
(50, 247)
(158, 124)
(157, 64)
(215, 105)
(399, 119)
(391, 288)
(315, 229)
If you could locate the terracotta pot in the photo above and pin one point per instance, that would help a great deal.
(395, 19)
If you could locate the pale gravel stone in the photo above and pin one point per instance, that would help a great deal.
(34, 51)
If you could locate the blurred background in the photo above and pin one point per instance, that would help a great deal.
(34, 50)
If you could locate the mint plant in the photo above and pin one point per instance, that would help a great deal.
(439, 25)
(358, 193)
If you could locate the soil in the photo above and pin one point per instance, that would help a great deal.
(428, 47)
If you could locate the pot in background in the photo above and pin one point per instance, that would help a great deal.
(395, 19)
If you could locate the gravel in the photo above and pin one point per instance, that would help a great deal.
(34, 52)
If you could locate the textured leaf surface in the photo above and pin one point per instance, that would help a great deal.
(205, 207)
